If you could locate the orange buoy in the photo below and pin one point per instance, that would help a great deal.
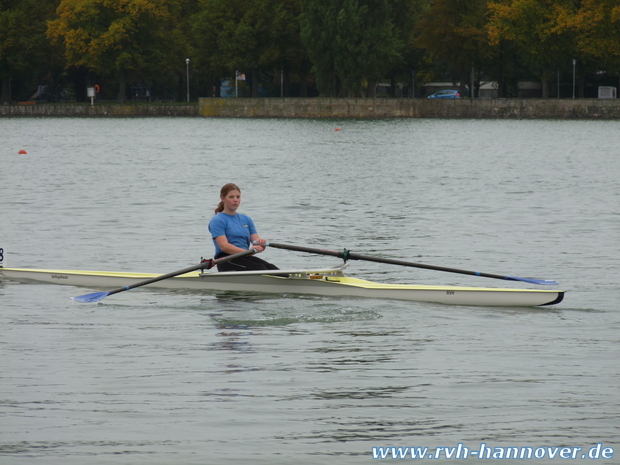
(337, 129)
(23, 152)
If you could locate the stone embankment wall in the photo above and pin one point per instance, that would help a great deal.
(602, 109)
(411, 108)
(107, 110)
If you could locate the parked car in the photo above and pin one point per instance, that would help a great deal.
(446, 94)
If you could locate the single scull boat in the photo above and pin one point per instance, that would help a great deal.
(322, 282)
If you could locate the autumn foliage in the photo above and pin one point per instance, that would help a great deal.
(289, 47)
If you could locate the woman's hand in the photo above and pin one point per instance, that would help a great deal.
(259, 244)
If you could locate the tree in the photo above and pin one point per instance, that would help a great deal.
(405, 16)
(453, 34)
(531, 25)
(318, 34)
(597, 27)
(250, 36)
(127, 39)
(350, 43)
(24, 49)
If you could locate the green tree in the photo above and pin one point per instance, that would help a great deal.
(531, 25)
(351, 43)
(452, 32)
(405, 15)
(250, 36)
(126, 39)
(318, 32)
(24, 49)
(597, 27)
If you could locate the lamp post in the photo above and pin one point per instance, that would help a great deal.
(574, 63)
(187, 66)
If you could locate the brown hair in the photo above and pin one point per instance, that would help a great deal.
(223, 193)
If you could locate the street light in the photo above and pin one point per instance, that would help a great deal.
(187, 66)
(574, 63)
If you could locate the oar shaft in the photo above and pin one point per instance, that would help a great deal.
(353, 256)
(346, 255)
(97, 296)
(204, 265)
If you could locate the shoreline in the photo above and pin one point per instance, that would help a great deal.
(382, 108)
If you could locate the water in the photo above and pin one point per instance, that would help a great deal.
(182, 377)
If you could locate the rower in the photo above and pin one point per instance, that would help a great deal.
(234, 232)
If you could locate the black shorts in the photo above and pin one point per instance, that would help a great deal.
(247, 263)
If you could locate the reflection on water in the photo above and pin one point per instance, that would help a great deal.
(238, 341)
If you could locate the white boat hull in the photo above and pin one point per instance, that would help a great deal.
(330, 282)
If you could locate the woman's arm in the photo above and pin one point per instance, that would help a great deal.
(227, 247)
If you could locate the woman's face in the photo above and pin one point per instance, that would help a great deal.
(232, 200)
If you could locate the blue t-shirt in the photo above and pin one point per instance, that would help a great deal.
(237, 229)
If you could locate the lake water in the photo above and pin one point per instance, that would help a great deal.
(154, 377)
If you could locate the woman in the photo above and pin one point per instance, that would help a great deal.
(234, 232)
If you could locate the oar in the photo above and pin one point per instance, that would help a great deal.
(97, 296)
(347, 255)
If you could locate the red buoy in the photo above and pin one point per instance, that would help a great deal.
(23, 152)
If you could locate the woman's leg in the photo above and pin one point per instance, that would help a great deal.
(245, 264)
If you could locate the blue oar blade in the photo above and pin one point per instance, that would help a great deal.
(94, 297)
(533, 281)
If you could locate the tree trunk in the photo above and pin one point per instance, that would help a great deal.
(463, 80)
(286, 81)
(581, 86)
(501, 73)
(546, 83)
(501, 84)
(372, 88)
(546, 88)
(6, 90)
(304, 71)
(255, 75)
(122, 89)
(303, 85)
